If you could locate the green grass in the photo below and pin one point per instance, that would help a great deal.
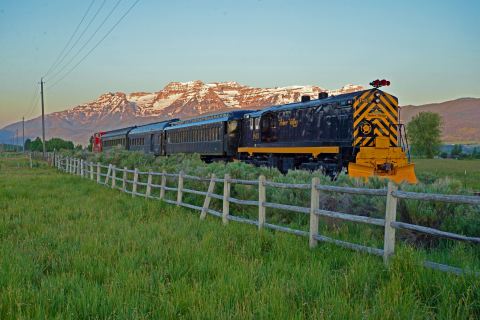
(71, 249)
(466, 171)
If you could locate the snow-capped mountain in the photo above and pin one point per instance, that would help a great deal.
(176, 100)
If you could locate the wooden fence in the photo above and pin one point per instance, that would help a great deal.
(117, 178)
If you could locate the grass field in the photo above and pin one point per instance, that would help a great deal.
(71, 249)
(466, 171)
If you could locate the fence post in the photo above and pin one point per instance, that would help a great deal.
(91, 170)
(31, 162)
(99, 171)
(135, 180)
(390, 216)
(208, 197)
(81, 168)
(163, 185)
(109, 172)
(262, 198)
(114, 177)
(149, 185)
(226, 195)
(180, 187)
(314, 219)
(124, 179)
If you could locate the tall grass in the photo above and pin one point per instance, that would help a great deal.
(70, 249)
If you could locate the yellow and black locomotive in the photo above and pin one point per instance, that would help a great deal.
(359, 131)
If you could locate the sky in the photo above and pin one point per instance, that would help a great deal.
(429, 50)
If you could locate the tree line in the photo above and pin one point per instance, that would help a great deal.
(50, 145)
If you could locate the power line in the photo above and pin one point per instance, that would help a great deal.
(87, 42)
(33, 103)
(97, 44)
(78, 39)
(55, 63)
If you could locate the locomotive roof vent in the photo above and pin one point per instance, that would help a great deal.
(323, 95)
(305, 98)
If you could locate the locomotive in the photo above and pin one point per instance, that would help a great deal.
(359, 131)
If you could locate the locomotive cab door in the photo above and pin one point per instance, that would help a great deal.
(254, 124)
(268, 128)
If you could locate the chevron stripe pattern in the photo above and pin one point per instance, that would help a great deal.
(375, 114)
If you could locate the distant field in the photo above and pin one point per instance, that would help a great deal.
(71, 249)
(451, 168)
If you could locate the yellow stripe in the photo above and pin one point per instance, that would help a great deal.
(393, 109)
(361, 118)
(315, 151)
(389, 116)
(393, 141)
(360, 98)
(359, 109)
(392, 99)
(357, 140)
(381, 125)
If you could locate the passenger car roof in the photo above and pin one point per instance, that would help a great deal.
(208, 119)
(117, 132)
(157, 126)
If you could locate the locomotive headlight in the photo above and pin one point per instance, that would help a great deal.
(377, 94)
(377, 100)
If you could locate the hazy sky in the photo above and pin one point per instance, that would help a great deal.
(430, 50)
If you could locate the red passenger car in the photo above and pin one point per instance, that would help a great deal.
(97, 141)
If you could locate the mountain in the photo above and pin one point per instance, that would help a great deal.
(176, 100)
(461, 118)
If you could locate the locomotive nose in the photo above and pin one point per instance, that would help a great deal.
(377, 139)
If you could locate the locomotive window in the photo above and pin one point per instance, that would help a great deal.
(257, 123)
(251, 123)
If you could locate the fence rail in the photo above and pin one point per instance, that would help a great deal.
(95, 171)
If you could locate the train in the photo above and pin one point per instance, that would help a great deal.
(358, 131)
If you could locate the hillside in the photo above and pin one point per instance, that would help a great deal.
(176, 100)
(461, 118)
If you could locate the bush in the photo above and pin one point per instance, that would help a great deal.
(444, 216)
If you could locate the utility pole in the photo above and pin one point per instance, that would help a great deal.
(43, 117)
(23, 136)
(16, 143)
